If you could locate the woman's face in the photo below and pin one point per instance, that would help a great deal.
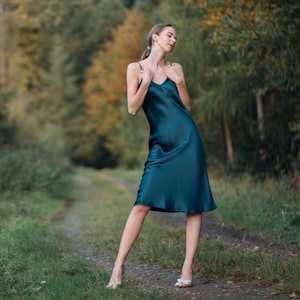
(166, 38)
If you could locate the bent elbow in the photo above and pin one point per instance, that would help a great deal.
(132, 111)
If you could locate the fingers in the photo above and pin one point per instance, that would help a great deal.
(172, 74)
(147, 73)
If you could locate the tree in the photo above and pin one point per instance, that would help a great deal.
(3, 71)
(50, 45)
(212, 96)
(261, 39)
(105, 86)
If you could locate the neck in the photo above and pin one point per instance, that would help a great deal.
(157, 64)
(157, 60)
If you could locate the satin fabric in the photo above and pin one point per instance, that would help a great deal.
(175, 176)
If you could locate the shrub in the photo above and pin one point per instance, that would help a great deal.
(28, 169)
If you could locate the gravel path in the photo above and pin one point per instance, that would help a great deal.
(151, 275)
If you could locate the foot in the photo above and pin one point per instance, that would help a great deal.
(183, 283)
(113, 284)
(116, 278)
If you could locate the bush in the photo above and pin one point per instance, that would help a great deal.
(28, 169)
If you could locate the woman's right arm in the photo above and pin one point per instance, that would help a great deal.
(136, 94)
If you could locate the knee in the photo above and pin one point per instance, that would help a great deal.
(141, 209)
(194, 214)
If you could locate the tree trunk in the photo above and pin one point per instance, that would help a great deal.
(228, 140)
(2, 48)
(260, 120)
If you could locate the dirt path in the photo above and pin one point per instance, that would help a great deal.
(213, 228)
(151, 275)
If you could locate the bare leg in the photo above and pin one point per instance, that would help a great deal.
(131, 232)
(193, 230)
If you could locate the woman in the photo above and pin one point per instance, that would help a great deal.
(175, 177)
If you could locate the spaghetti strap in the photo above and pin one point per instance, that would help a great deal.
(141, 70)
(141, 67)
(170, 63)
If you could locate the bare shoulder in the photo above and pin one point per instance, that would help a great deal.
(176, 66)
(133, 74)
(133, 67)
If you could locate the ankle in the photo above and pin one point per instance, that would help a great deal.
(118, 263)
(187, 273)
(117, 272)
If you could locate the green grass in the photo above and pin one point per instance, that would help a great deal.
(38, 262)
(269, 209)
(166, 246)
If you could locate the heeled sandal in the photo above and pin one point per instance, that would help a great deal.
(182, 283)
(114, 284)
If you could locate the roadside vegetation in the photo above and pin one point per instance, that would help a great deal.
(166, 246)
(37, 260)
(267, 209)
(62, 108)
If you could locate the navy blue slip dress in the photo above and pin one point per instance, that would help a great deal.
(175, 175)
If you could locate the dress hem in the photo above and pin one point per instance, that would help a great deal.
(175, 211)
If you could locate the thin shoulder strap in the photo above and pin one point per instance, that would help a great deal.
(170, 63)
(141, 67)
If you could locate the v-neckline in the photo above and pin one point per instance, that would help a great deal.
(160, 83)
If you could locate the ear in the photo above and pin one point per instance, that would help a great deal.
(154, 37)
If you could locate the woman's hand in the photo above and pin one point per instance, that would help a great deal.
(173, 75)
(147, 74)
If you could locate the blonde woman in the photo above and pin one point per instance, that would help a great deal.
(175, 175)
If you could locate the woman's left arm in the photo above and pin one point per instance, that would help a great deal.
(175, 73)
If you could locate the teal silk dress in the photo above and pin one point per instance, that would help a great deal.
(175, 176)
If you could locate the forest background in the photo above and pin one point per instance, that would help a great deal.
(63, 105)
(63, 90)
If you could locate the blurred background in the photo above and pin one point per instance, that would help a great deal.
(63, 90)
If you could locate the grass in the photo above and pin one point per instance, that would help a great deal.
(166, 246)
(39, 262)
(269, 209)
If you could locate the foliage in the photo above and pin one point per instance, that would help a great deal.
(50, 46)
(23, 170)
(134, 138)
(264, 35)
(7, 130)
(105, 84)
(63, 70)
(247, 55)
(82, 42)
(97, 156)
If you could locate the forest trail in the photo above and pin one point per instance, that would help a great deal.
(153, 276)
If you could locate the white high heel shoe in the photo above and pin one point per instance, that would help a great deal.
(114, 284)
(182, 283)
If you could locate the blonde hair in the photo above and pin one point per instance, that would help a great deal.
(156, 29)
